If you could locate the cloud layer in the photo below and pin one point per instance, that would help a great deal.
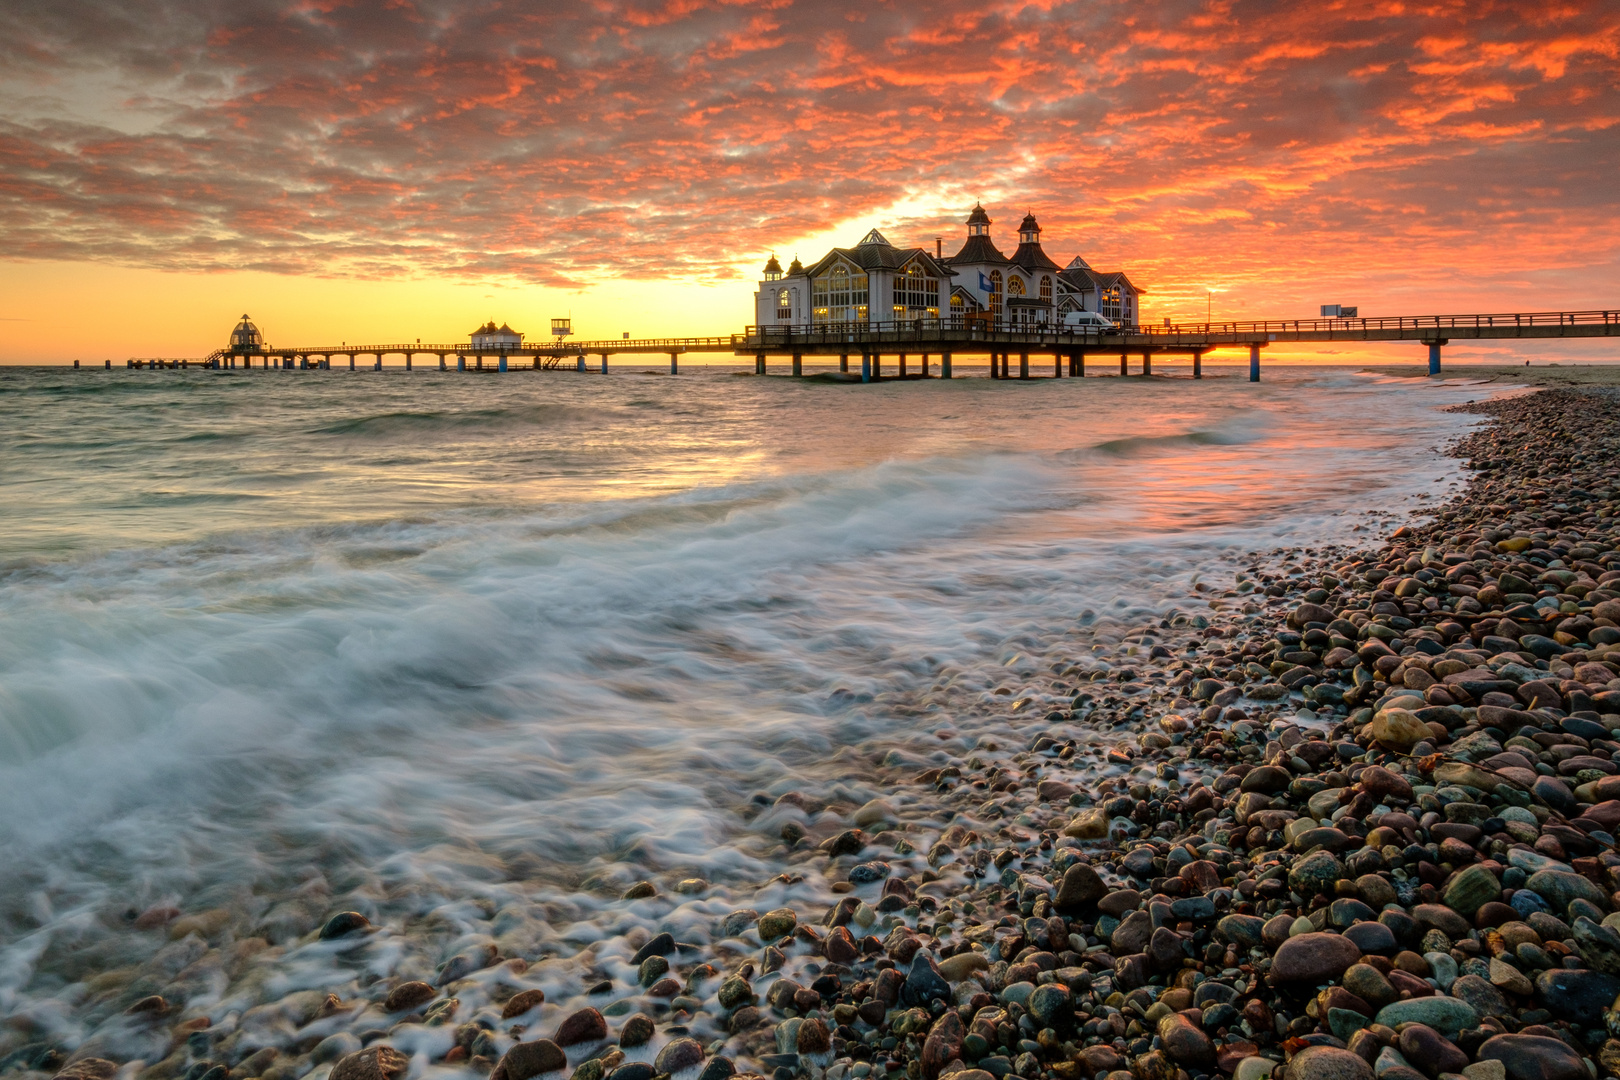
(1201, 144)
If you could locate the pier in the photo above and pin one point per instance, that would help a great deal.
(928, 348)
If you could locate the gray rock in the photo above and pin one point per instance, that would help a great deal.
(584, 1026)
(1581, 995)
(344, 923)
(1327, 1063)
(1558, 889)
(1051, 1006)
(1533, 1057)
(1599, 944)
(1447, 1015)
(924, 983)
(1132, 935)
(1313, 958)
(1315, 873)
(372, 1063)
(526, 1059)
(1080, 886)
(1470, 890)
(1485, 999)
(1184, 1042)
(681, 1054)
(1372, 937)
(1241, 930)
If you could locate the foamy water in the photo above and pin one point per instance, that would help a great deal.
(494, 648)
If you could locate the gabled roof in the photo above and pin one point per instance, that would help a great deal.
(879, 254)
(1085, 279)
(978, 249)
(967, 297)
(1078, 277)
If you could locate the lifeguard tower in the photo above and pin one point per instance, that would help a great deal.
(562, 328)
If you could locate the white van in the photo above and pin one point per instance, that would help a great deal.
(1088, 322)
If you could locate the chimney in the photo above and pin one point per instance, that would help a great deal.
(939, 247)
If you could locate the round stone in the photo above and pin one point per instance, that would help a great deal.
(1313, 958)
(1327, 1063)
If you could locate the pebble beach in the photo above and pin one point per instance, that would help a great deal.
(1347, 812)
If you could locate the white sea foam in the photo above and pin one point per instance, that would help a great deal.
(523, 689)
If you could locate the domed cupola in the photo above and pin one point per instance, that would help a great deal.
(246, 336)
(773, 269)
(1029, 230)
(978, 222)
(797, 267)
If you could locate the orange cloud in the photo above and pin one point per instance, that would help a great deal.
(1241, 142)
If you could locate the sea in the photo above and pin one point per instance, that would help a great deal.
(463, 638)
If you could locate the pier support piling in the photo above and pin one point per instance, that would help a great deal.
(944, 365)
(1077, 365)
(759, 363)
(1198, 365)
(843, 362)
(1434, 357)
(1023, 365)
(1124, 364)
(1147, 363)
(902, 365)
(1057, 365)
(441, 362)
(866, 367)
(500, 365)
(674, 363)
(925, 365)
(798, 365)
(877, 366)
(604, 363)
(1254, 363)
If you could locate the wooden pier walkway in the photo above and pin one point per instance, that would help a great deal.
(935, 342)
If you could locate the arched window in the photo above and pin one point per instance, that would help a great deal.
(839, 296)
(784, 306)
(916, 295)
(995, 293)
(1046, 288)
(1015, 285)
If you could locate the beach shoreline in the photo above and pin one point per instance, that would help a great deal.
(999, 914)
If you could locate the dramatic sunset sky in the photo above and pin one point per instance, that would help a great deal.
(409, 168)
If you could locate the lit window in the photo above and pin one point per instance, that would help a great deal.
(1046, 288)
(1015, 285)
(1109, 303)
(914, 292)
(839, 296)
(995, 293)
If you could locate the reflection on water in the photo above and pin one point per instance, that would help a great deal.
(427, 635)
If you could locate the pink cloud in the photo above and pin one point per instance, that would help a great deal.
(565, 144)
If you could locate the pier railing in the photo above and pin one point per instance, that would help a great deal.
(1496, 321)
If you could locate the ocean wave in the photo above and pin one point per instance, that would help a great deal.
(485, 421)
